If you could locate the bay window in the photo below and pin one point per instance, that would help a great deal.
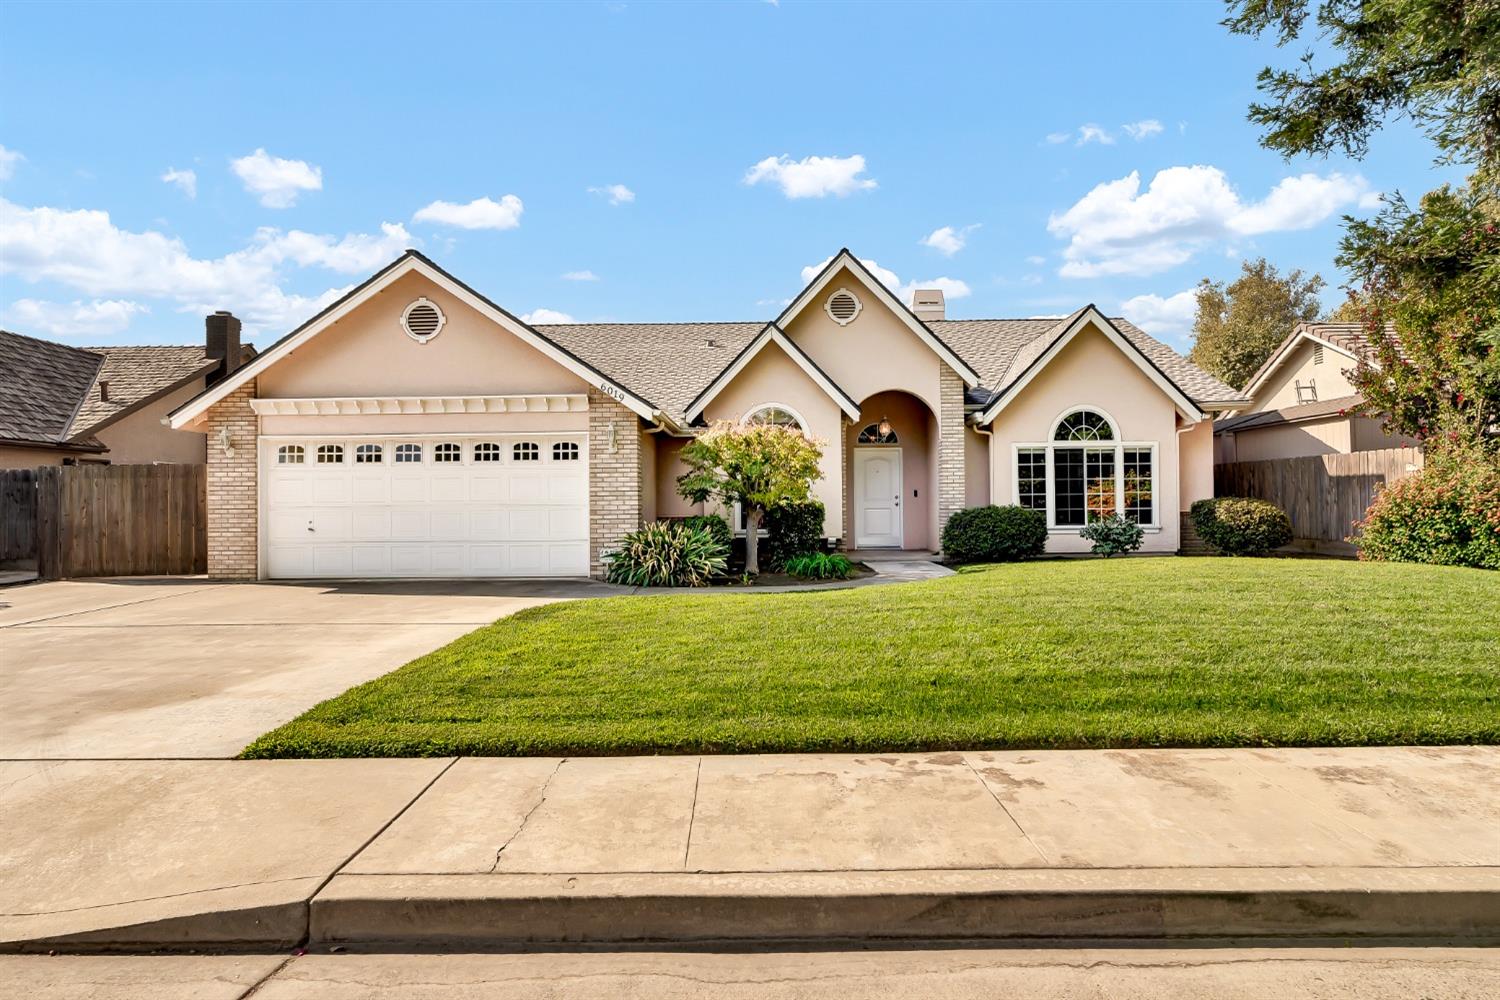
(1085, 473)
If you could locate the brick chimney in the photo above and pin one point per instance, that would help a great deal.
(222, 341)
(928, 304)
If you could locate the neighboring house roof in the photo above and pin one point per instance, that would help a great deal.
(1288, 415)
(1348, 339)
(43, 388)
(51, 395)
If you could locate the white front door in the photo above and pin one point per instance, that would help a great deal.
(877, 498)
(455, 506)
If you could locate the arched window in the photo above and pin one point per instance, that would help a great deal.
(487, 451)
(408, 453)
(1084, 425)
(775, 415)
(564, 451)
(881, 433)
(369, 454)
(1085, 473)
(525, 451)
(290, 454)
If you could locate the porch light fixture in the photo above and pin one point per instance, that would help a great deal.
(225, 441)
(884, 427)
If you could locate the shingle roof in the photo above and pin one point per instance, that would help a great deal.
(666, 364)
(669, 364)
(136, 375)
(1288, 414)
(44, 385)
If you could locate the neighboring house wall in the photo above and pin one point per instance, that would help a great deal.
(1280, 390)
(1091, 371)
(774, 378)
(1368, 434)
(31, 458)
(1309, 437)
(141, 438)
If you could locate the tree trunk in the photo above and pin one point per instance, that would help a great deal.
(752, 540)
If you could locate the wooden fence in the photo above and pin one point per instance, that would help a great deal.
(17, 515)
(111, 520)
(1324, 494)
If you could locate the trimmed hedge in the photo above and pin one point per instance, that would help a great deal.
(1113, 536)
(791, 529)
(995, 534)
(715, 525)
(1241, 526)
(1448, 514)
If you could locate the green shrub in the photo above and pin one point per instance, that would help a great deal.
(714, 525)
(1447, 514)
(1241, 526)
(667, 554)
(1113, 535)
(792, 528)
(995, 534)
(820, 566)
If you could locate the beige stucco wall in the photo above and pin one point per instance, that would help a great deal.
(976, 469)
(142, 438)
(1091, 371)
(916, 433)
(1280, 390)
(428, 423)
(669, 465)
(31, 458)
(874, 353)
(367, 354)
(773, 377)
(1195, 464)
(1309, 437)
(648, 477)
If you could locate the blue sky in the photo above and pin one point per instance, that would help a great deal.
(634, 161)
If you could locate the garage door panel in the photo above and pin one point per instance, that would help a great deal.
(423, 519)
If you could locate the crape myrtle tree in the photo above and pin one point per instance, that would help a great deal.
(757, 466)
(1430, 271)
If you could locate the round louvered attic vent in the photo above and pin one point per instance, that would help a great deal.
(422, 320)
(842, 306)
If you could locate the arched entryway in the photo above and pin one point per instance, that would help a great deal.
(891, 471)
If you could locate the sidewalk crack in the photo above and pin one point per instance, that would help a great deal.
(692, 815)
(1014, 822)
(527, 818)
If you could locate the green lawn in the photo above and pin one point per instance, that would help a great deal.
(1137, 652)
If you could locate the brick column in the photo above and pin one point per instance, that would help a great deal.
(614, 475)
(951, 431)
(233, 492)
(846, 529)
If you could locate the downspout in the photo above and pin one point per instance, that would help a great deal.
(989, 453)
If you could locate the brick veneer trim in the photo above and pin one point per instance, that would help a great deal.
(233, 487)
(951, 432)
(614, 476)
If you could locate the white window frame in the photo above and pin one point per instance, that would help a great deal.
(1117, 445)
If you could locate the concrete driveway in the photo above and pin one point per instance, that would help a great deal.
(181, 667)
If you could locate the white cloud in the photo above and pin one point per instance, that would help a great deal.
(277, 182)
(1143, 129)
(948, 240)
(1169, 318)
(481, 213)
(618, 194)
(952, 288)
(8, 160)
(83, 250)
(1036, 260)
(1089, 132)
(546, 316)
(1058, 138)
(812, 176)
(1118, 229)
(580, 276)
(186, 181)
(99, 318)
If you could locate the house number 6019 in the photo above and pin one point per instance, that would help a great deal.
(612, 392)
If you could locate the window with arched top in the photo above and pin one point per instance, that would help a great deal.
(407, 454)
(369, 454)
(290, 454)
(330, 454)
(487, 451)
(564, 451)
(1085, 473)
(448, 451)
(775, 415)
(525, 451)
(1084, 425)
(881, 433)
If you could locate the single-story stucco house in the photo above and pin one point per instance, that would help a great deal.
(1302, 401)
(64, 405)
(415, 428)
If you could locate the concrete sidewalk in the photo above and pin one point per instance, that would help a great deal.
(1401, 842)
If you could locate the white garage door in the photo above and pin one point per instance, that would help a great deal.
(509, 505)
